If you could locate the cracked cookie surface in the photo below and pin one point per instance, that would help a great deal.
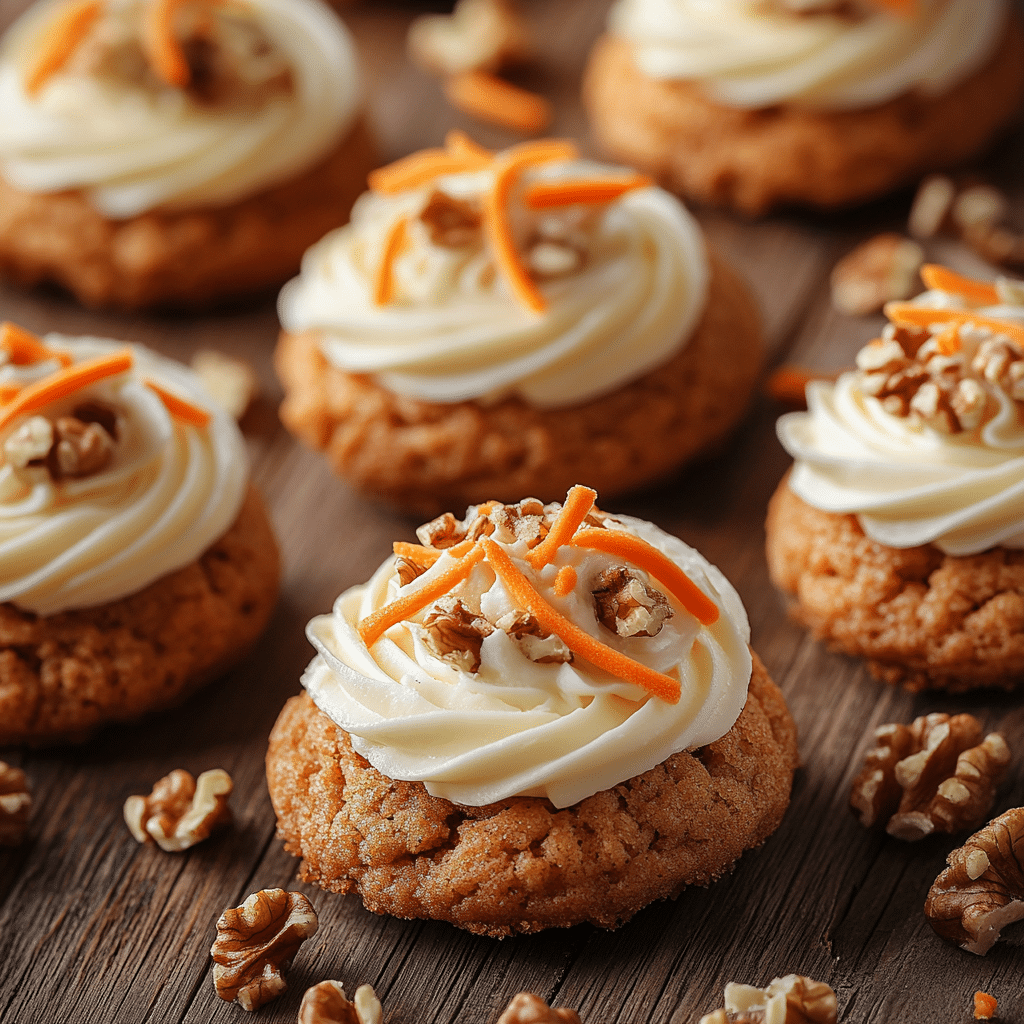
(522, 865)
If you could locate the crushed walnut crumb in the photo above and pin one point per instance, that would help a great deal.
(627, 605)
(15, 804)
(180, 811)
(527, 1008)
(73, 446)
(327, 1003)
(452, 632)
(793, 999)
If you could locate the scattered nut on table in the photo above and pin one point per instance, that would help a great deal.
(231, 383)
(256, 944)
(526, 1008)
(793, 999)
(935, 775)
(982, 889)
(180, 811)
(326, 1003)
(479, 35)
(879, 270)
(15, 804)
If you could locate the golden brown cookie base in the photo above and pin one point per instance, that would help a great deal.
(521, 865)
(754, 160)
(188, 258)
(430, 457)
(63, 675)
(922, 618)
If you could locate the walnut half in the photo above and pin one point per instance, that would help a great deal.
(15, 804)
(180, 811)
(793, 999)
(256, 944)
(627, 606)
(327, 1003)
(935, 775)
(526, 1008)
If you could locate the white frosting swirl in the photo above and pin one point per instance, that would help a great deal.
(516, 727)
(133, 147)
(170, 490)
(907, 483)
(748, 54)
(454, 330)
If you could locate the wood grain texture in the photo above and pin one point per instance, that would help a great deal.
(94, 928)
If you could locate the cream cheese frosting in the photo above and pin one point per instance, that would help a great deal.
(891, 457)
(170, 489)
(623, 285)
(518, 726)
(132, 143)
(754, 54)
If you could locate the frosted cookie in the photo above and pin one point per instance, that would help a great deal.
(542, 715)
(753, 104)
(900, 530)
(136, 562)
(157, 152)
(491, 325)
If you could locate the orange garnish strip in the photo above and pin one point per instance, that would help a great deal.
(579, 642)
(788, 384)
(985, 1006)
(179, 407)
(496, 220)
(565, 581)
(492, 99)
(905, 315)
(60, 40)
(544, 195)
(160, 44)
(25, 348)
(383, 280)
(651, 560)
(419, 168)
(373, 627)
(578, 503)
(945, 280)
(65, 382)
(9, 392)
(458, 143)
(428, 556)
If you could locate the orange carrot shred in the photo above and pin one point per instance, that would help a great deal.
(60, 41)
(65, 382)
(788, 384)
(384, 282)
(419, 168)
(373, 627)
(985, 1006)
(565, 581)
(25, 348)
(458, 143)
(945, 280)
(161, 46)
(578, 503)
(544, 195)
(947, 341)
(9, 392)
(647, 557)
(577, 640)
(492, 99)
(180, 407)
(416, 552)
(903, 314)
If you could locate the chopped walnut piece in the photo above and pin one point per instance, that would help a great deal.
(479, 35)
(979, 207)
(627, 606)
(443, 532)
(1001, 361)
(256, 944)
(930, 209)
(526, 1008)
(97, 412)
(30, 443)
(408, 570)
(522, 521)
(180, 811)
(936, 775)
(326, 1003)
(15, 804)
(452, 632)
(881, 269)
(533, 640)
(790, 1000)
(79, 449)
(231, 383)
(452, 223)
(982, 889)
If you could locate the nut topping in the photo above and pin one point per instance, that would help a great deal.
(881, 269)
(982, 889)
(408, 570)
(790, 1000)
(453, 633)
(326, 1003)
(256, 944)
(80, 449)
(15, 804)
(232, 383)
(479, 35)
(626, 605)
(936, 775)
(443, 532)
(30, 443)
(452, 223)
(1001, 362)
(532, 639)
(526, 1008)
(180, 811)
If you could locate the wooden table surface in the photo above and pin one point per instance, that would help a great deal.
(94, 927)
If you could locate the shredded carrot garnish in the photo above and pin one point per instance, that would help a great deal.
(579, 642)
(373, 627)
(499, 229)
(947, 341)
(647, 557)
(65, 382)
(985, 1006)
(60, 40)
(578, 503)
(788, 384)
(458, 143)
(9, 392)
(384, 282)
(565, 581)
(416, 552)
(492, 99)
(419, 168)
(544, 195)
(180, 407)
(945, 280)
(161, 46)
(905, 315)
(25, 348)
